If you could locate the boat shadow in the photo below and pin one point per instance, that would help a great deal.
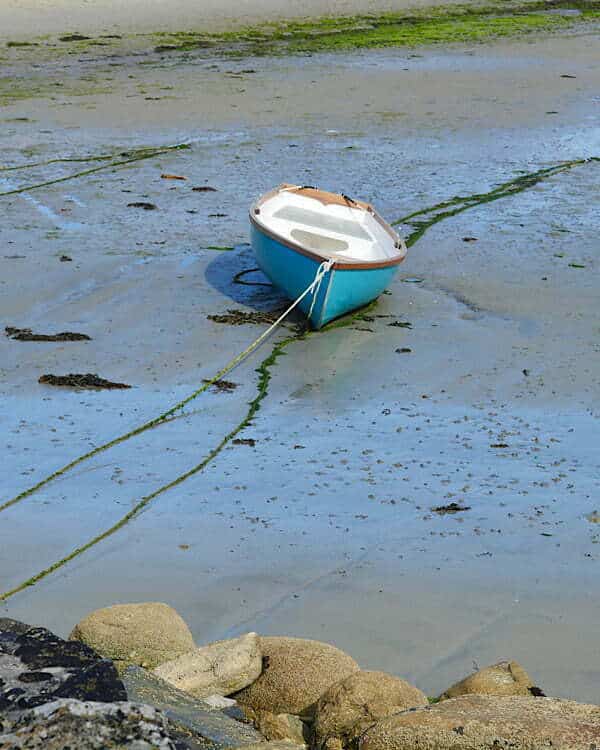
(235, 275)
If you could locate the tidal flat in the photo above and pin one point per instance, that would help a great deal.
(313, 481)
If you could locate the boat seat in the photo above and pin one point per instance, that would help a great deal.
(318, 220)
(319, 242)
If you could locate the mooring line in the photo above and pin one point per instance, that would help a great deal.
(264, 377)
(84, 159)
(463, 203)
(254, 406)
(93, 170)
(321, 271)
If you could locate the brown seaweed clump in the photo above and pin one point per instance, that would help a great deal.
(26, 334)
(77, 380)
(240, 317)
(443, 510)
(223, 386)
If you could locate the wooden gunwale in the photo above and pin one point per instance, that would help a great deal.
(327, 199)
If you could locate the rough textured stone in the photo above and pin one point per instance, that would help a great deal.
(146, 634)
(88, 726)
(486, 722)
(220, 668)
(214, 726)
(352, 705)
(504, 678)
(273, 727)
(275, 745)
(37, 667)
(296, 672)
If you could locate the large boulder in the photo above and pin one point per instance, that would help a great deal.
(296, 672)
(220, 668)
(486, 722)
(504, 678)
(355, 703)
(146, 634)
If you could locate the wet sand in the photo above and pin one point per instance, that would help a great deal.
(324, 528)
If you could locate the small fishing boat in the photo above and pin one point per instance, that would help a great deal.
(300, 234)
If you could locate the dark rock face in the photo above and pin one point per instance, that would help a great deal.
(57, 694)
(37, 667)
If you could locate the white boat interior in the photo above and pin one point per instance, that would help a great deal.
(348, 232)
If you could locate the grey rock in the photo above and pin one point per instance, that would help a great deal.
(87, 725)
(9, 625)
(212, 725)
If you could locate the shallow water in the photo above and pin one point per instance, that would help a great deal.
(324, 528)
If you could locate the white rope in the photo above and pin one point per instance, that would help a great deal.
(325, 266)
(313, 288)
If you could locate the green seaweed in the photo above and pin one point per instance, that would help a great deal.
(151, 150)
(132, 157)
(436, 213)
(458, 204)
(264, 377)
(442, 24)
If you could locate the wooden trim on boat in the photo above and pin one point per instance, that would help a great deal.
(327, 199)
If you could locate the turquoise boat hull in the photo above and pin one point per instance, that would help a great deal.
(341, 291)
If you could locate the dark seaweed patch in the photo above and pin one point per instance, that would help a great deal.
(241, 317)
(142, 204)
(26, 334)
(244, 441)
(223, 386)
(77, 380)
(74, 38)
(443, 510)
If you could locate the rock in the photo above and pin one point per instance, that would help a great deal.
(485, 722)
(275, 745)
(7, 625)
(279, 726)
(504, 678)
(352, 705)
(146, 634)
(220, 668)
(37, 667)
(89, 726)
(219, 702)
(296, 672)
(213, 726)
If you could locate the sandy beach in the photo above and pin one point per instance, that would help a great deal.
(323, 527)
